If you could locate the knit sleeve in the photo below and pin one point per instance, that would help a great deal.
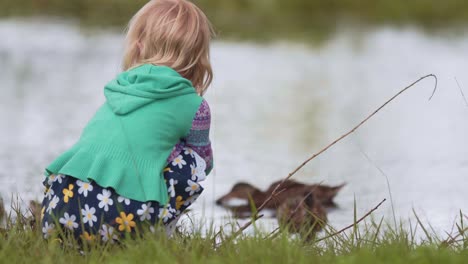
(198, 137)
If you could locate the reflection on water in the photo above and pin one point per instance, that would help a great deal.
(273, 107)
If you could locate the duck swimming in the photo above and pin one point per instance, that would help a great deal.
(253, 197)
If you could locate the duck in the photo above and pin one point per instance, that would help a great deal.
(302, 214)
(252, 197)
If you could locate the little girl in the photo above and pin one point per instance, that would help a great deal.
(140, 159)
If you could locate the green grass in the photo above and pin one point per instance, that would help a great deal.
(262, 19)
(368, 242)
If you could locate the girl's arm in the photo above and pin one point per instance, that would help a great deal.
(198, 137)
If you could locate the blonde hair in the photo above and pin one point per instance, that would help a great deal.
(173, 33)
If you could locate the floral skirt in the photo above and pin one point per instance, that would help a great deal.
(91, 212)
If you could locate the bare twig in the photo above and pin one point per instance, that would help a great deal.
(359, 125)
(461, 91)
(255, 217)
(353, 224)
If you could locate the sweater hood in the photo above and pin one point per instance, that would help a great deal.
(143, 85)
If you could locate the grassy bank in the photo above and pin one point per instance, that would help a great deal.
(25, 246)
(371, 242)
(261, 19)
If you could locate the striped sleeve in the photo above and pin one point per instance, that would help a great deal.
(198, 137)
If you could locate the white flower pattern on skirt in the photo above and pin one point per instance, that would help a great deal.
(105, 199)
(108, 234)
(69, 221)
(192, 187)
(200, 167)
(179, 161)
(47, 229)
(166, 213)
(97, 212)
(55, 178)
(189, 151)
(48, 193)
(51, 179)
(88, 215)
(85, 187)
(123, 199)
(145, 212)
(52, 204)
(193, 169)
(171, 187)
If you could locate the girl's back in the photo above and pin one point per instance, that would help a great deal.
(140, 158)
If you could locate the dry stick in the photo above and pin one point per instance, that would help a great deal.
(256, 217)
(353, 224)
(461, 91)
(273, 196)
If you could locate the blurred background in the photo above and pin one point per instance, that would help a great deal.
(290, 77)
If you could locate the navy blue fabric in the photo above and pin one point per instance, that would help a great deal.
(92, 212)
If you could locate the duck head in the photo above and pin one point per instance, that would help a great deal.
(242, 191)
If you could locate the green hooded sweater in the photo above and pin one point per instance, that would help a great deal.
(125, 146)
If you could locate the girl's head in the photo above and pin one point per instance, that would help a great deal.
(173, 33)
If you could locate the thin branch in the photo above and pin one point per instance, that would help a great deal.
(276, 194)
(360, 124)
(255, 217)
(353, 224)
(461, 91)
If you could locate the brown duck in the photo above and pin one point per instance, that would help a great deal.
(302, 214)
(253, 197)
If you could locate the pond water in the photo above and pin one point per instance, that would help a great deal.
(273, 106)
